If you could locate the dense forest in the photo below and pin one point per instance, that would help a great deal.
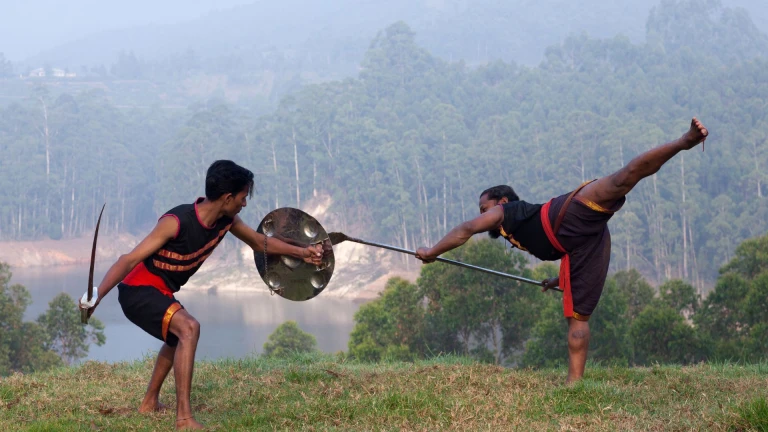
(405, 147)
(453, 310)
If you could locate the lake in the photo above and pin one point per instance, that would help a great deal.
(233, 324)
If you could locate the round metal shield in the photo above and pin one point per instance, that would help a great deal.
(293, 278)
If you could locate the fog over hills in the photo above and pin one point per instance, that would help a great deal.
(476, 31)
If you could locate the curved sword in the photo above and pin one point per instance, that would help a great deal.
(84, 312)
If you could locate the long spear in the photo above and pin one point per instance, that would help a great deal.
(337, 237)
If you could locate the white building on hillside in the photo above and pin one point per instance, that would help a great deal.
(57, 73)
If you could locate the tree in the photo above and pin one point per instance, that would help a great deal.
(127, 66)
(390, 327)
(548, 344)
(289, 339)
(638, 291)
(609, 331)
(680, 296)
(609, 326)
(750, 258)
(66, 335)
(30, 352)
(734, 314)
(660, 334)
(723, 319)
(22, 344)
(730, 28)
(476, 308)
(394, 63)
(545, 270)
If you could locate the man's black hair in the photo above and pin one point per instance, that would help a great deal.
(498, 192)
(225, 176)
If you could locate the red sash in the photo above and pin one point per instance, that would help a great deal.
(565, 261)
(140, 276)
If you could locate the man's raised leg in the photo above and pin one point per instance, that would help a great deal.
(163, 365)
(607, 190)
(187, 329)
(578, 345)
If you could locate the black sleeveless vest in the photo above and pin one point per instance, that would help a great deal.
(182, 256)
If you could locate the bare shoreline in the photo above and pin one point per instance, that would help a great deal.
(360, 275)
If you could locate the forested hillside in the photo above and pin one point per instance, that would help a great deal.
(405, 147)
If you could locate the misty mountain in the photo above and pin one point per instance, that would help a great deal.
(29, 26)
(339, 31)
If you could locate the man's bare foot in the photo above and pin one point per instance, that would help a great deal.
(189, 423)
(150, 406)
(570, 382)
(695, 135)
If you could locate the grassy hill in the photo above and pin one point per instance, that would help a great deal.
(328, 393)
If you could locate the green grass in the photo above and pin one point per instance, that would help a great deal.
(752, 415)
(323, 392)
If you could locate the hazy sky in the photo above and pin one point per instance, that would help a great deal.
(29, 26)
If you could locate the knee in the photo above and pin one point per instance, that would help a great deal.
(578, 337)
(580, 334)
(189, 329)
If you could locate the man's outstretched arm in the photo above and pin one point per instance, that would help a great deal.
(249, 236)
(459, 235)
